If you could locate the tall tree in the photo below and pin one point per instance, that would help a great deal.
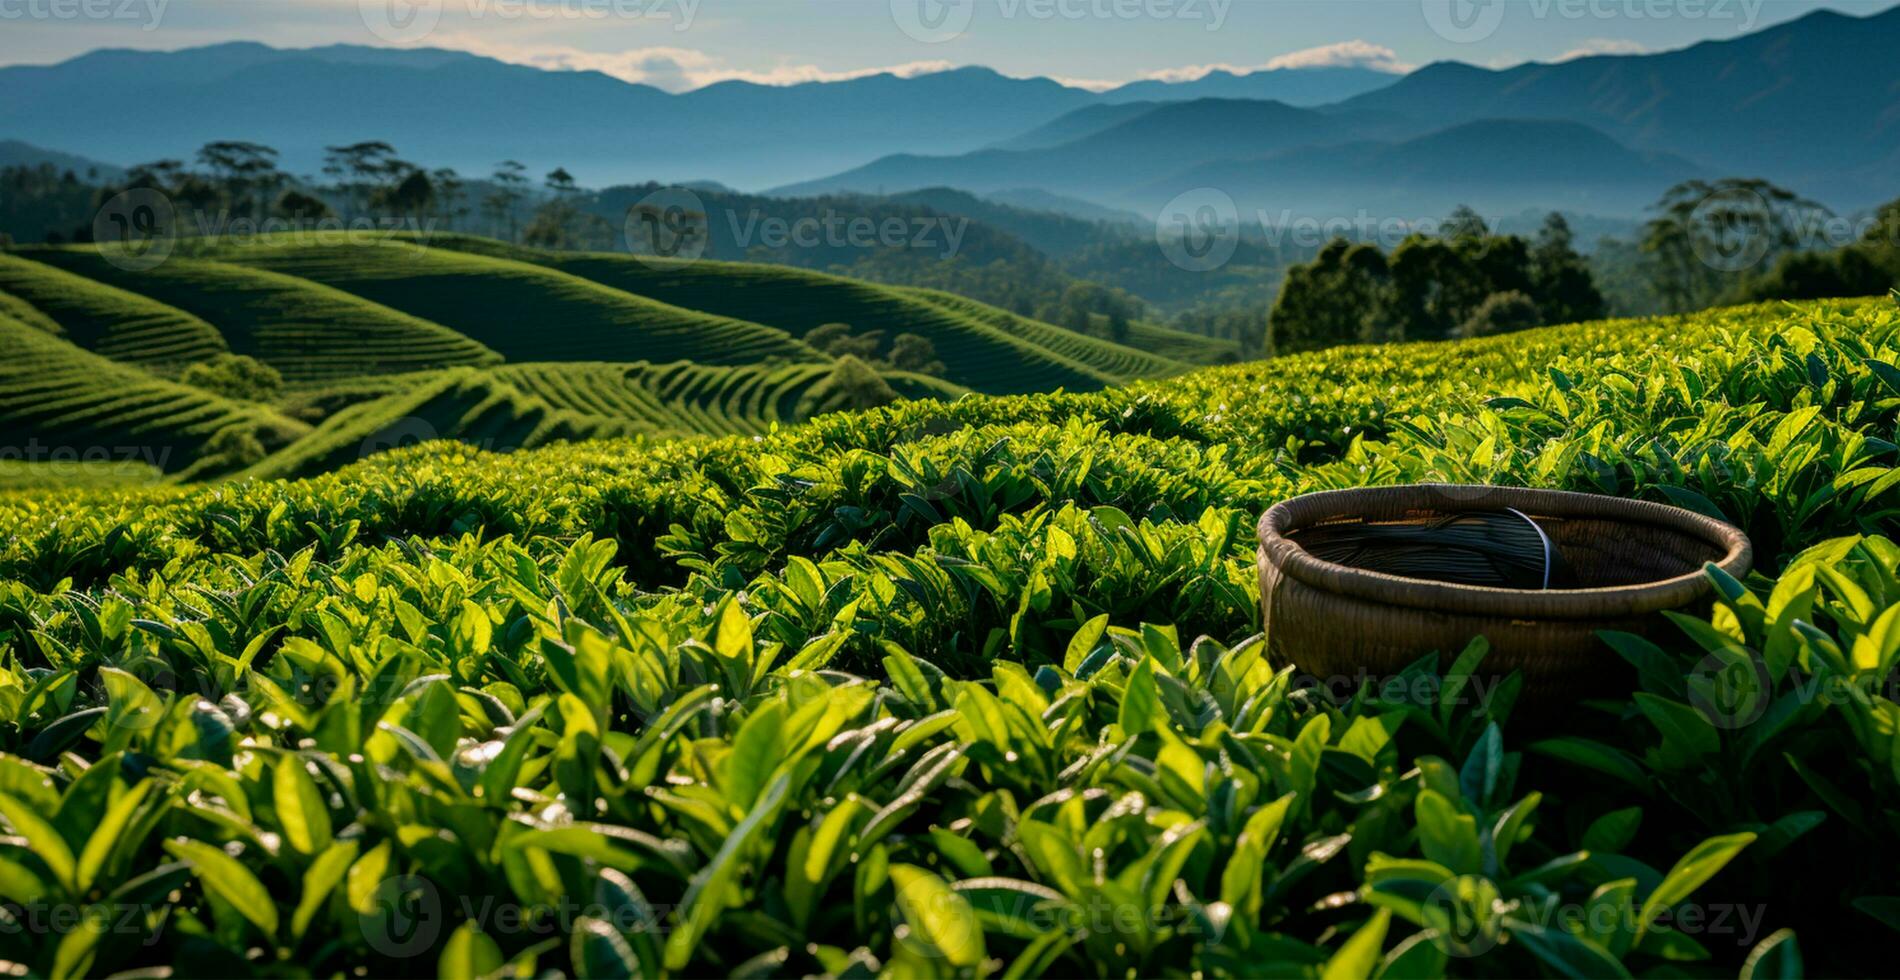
(510, 180)
(1341, 297)
(358, 168)
(1566, 291)
(245, 172)
(1707, 236)
(448, 193)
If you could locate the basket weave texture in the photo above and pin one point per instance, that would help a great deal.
(1634, 559)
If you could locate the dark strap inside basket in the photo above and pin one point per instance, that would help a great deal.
(1502, 549)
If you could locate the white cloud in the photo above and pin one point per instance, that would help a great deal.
(1090, 84)
(1345, 54)
(1603, 45)
(670, 68)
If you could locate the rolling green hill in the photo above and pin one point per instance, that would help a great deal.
(683, 397)
(114, 323)
(306, 330)
(521, 311)
(71, 402)
(389, 339)
(982, 348)
(469, 406)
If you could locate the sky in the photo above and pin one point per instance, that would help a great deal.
(683, 44)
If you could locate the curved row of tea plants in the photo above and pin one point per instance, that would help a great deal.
(71, 406)
(307, 331)
(113, 323)
(967, 688)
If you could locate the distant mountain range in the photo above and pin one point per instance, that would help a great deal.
(1813, 103)
(14, 153)
(1271, 158)
(447, 108)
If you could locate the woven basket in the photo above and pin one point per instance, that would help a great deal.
(1634, 558)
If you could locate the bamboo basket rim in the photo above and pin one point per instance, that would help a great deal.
(1376, 503)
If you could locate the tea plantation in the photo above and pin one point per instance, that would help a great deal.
(380, 340)
(957, 687)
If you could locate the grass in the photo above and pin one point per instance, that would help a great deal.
(970, 687)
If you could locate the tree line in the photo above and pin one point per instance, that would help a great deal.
(1706, 243)
(1463, 282)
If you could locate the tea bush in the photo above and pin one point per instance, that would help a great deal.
(967, 688)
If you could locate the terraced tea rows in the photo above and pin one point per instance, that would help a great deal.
(71, 402)
(307, 331)
(682, 397)
(478, 408)
(521, 311)
(593, 345)
(1001, 356)
(110, 322)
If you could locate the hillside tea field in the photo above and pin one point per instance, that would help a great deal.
(966, 688)
(380, 340)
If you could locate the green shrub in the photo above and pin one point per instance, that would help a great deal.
(238, 376)
(1501, 313)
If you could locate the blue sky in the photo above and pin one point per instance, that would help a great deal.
(681, 44)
